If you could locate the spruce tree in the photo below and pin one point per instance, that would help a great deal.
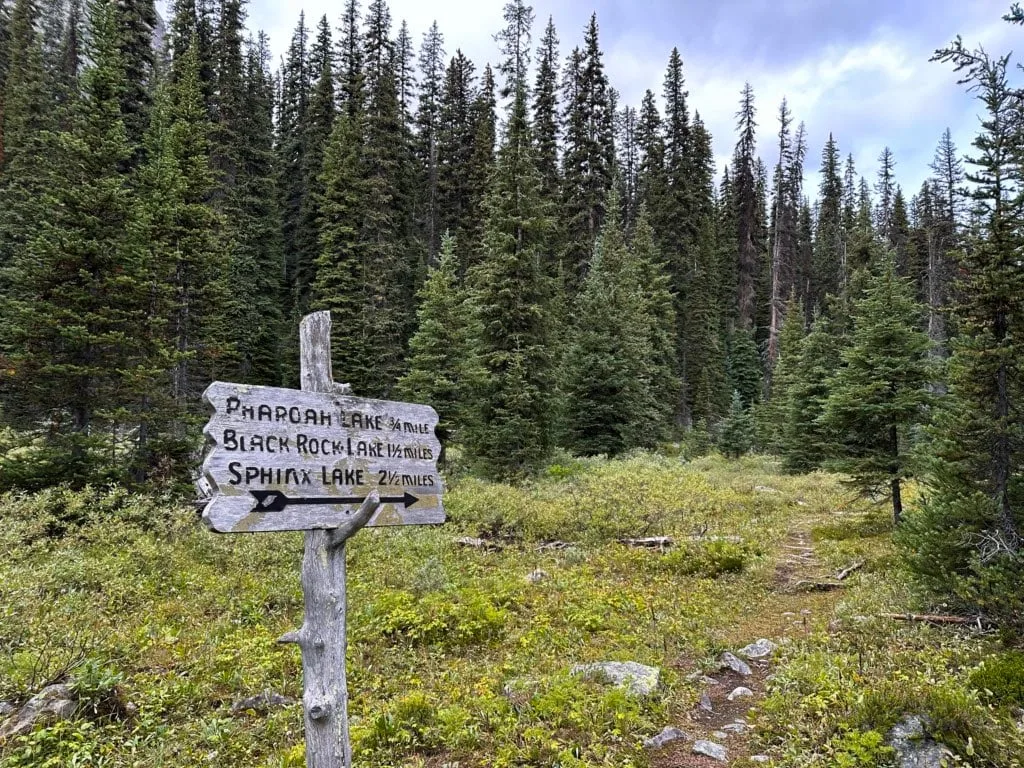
(428, 128)
(737, 429)
(589, 156)
(772, 421)
(878, 394)
(968, 539)
(745, 199)
(70, 345)
(609, 400)
(511, 430)
(443, 367)
(454, 141)
(806, 442)
(830, 234)
(136, 21)
(546, 123)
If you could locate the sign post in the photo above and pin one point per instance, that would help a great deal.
(328, 463)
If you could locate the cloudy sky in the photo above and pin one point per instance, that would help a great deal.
(857, 68)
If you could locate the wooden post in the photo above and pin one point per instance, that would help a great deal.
(322, 636)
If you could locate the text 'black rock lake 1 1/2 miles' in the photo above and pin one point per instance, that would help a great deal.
(310, 457)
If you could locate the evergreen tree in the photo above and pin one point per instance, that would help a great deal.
(428, 129)
(443, 369)
(609, 401)
(879, 394)
(184, 259)
(744, 366)
(481, 165)
(949, 175)
(316, 130)
(737, 430)
(350, 59)
(773, 417)
(829, 257)
(455, 146)
(662, 363)
(136, 22)
(589, 157)
(511, 433)
(745, 199)
(60, 326)
(546, 127)
(969, 537)
(806, 442)
(886, 189)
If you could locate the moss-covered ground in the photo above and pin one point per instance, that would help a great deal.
(456, 658)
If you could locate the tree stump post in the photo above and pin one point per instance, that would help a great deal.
(322, 638)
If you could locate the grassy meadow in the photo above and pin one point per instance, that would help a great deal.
(457, 658)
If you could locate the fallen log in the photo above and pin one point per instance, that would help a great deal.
(932, 619)
(649, 542)
(850, 569)
(817, 586)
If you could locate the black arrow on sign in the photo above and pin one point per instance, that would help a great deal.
(275, 501)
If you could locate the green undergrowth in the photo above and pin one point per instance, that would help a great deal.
(455, 657)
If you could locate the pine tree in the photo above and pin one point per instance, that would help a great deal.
(25, 150)
(546, 124)
(609, 400)
(343, 269)
(744, 366)
(428, 129)
(136, 22)
(745, 198)
(185, 268)
(349, 57)
(662, 362)
(972, 522)
(773, 417)
(511, 433)
(291, 146)
(589, 156)
(806, 443)
(737, 430)
(60, 326)
(886, 189)
(949, 176)
(481, 165)
(405, 72)
(879, 393)
(316, 129)
(455, 142)
(829, 258)
(443, 367)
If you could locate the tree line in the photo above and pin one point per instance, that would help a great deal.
(546, 266)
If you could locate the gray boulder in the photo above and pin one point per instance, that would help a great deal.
(758, 650)
(739, 693)
(712, 750)
(729, 661)
(261, 703)
(638, 679)
(667, 735)
(914, 748)
(52, 704)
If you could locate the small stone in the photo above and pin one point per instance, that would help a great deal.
(637, 679)
(261, 703)
(759, 758)
(705, 702)
(537, 576)
(708, 680)
(740, 693)
(712, 750)
(668, 734)
(914, 749)
(765, 489)
(730, 661)
(720, 735)
(758, 650)
(6, 708)
(788, 613)
(53, 703)
(735, 728)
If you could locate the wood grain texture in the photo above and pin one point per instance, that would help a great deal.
(322, 638)
(313, 445)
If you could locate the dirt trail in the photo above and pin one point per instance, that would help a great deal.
(790, 611)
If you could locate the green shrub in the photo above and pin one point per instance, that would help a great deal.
(708, 559)
(1000, 679)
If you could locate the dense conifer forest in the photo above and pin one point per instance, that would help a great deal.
(549, 267)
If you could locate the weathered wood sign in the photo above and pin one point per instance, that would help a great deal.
(284, 459)
(326, 462)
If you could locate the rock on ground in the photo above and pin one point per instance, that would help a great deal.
(52, 704)
(758, 650)
(262, 702)
(739, 693)
(637, 679)
(712, 750)
(730, 661)
(914, 749)
(537, 576)
(668, 734)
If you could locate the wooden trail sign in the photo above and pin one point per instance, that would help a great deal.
(359, 462)
(289, 460)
